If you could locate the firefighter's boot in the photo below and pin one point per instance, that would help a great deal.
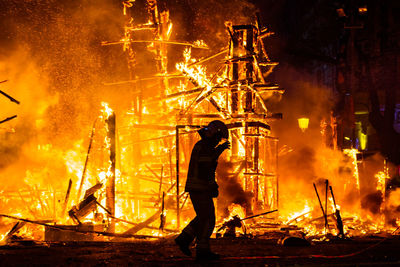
(183, 241)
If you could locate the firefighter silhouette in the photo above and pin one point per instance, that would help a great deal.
(202, 188)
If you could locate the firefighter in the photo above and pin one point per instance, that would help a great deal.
(202, 188)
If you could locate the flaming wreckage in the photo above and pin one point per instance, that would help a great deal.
(144, 153)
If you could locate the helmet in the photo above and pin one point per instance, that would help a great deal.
(217, 128)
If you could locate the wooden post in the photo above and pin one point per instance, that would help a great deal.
(255, 165)
(322, 208)
(177, 177)
(65, 205)
(86, 164)
(110, 186)
(277, 173)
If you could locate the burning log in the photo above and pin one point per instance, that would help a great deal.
(162, 214)
(194, 45)
(144, 224)
(110, 186)
(161, 180)
(73, 228)
(66, 198)
(322, 208)
(339, 222)
(326, 195)
(86, 162)
(135, 224)
(298, 217)
(14, 229)
(170, 166)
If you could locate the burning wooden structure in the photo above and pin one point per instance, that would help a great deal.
(164, 127)
(138, 173)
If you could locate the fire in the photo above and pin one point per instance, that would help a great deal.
(305, 213)
(352, 153)
(73, 161)
(2, 239)
(197, 73)
(107, 111)
(381, 181)
(151, 151)
(235, 209)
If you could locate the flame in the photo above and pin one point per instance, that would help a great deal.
(133, 178)
(236, 209)
(107, 111)
(352, 153)
(197, 73)
(200, 44)
(381, 181)
(305, 213)
(2, 239)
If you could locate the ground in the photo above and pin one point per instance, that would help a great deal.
(365, 251)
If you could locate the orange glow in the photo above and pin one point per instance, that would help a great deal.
(155, 136)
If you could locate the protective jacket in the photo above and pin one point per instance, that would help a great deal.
(202, 166)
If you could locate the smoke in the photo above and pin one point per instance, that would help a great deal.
(304, 157)
(205, 20)
(230, 188)
(28, 87)
(392, 208)
(55, 66)
(210, 17)
(372, 202)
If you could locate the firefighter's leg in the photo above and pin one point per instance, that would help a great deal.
(191, 228)
(187, 236)
(204, 207)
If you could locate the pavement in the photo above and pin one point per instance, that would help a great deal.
(362, 251)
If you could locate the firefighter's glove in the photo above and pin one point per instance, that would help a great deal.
(214, 190)
(226, 145)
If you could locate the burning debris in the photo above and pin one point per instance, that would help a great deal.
(236, 222)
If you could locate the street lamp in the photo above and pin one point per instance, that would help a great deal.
(303, 123)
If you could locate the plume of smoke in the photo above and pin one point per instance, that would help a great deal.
(230, 188)
(392, 210)
(304, 157)
(52, 57)
(28, 86)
